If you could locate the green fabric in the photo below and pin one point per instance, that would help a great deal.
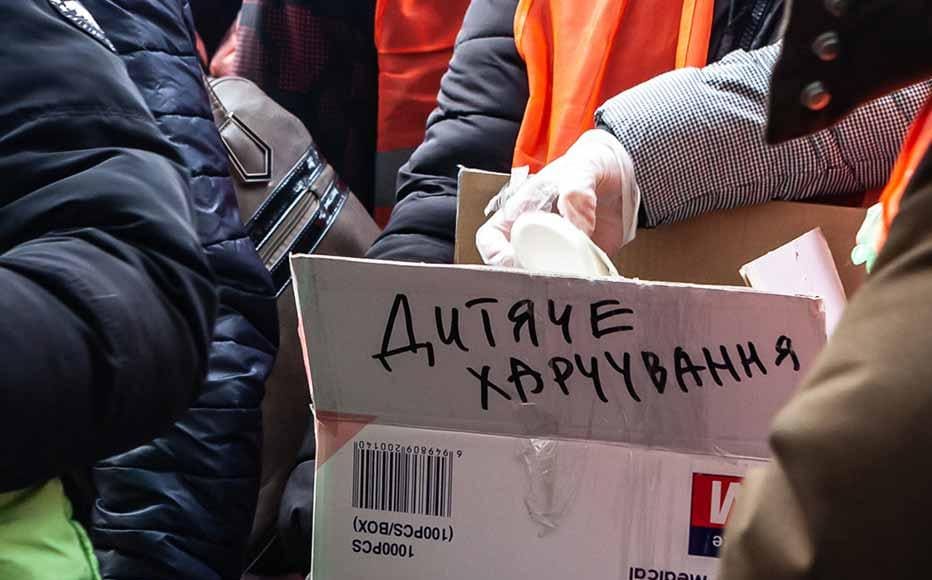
(39, 540)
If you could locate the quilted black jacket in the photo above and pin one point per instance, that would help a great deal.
(181, 507)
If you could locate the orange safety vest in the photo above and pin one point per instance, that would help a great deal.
(917, 144)
(581, 53)
(414, 41)
(578, 54)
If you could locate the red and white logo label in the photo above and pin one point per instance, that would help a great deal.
(713, 497)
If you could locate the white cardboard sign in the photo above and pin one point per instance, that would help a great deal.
(537, 425)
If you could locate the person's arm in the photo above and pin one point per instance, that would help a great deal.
(481, 103)
(847, 495)
(213, 20)
(696, 137)
(107, 299)
(181, 506)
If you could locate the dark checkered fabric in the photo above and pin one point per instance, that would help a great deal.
(697, 140)
(317, 59)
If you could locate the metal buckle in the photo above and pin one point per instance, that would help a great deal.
(247, 177)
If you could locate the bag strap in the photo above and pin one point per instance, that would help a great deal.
(299, 212)
(288, 222)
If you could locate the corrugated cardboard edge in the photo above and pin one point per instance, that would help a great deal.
(480, 187)
(332, 430)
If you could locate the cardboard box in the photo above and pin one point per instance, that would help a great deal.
(476, 423)
(709, 249)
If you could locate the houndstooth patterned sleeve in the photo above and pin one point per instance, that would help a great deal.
(697, 140)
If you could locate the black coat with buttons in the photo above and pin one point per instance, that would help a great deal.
(838, 54)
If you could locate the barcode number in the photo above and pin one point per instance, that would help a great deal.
(395, 479)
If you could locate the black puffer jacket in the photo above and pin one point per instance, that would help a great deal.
(182, 506)
(107, 300)
(479, 111)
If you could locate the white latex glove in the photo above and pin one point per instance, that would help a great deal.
(865, 250)
(592, 185)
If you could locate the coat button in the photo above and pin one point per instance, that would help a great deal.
(815, 96)
(836, 7)
(826, 46)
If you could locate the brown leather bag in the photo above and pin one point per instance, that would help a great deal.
(291, 201)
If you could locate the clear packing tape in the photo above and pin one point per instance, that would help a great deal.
(553, 480)
(552, 484)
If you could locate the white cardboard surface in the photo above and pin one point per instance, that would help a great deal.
(803, 266)
(347, 306)
(546, 480)
(614, 511)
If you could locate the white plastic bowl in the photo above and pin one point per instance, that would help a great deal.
(547, 242)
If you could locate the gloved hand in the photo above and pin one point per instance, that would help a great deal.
(865, 249)
(592, 185)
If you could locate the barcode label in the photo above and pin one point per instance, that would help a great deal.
(407, 483)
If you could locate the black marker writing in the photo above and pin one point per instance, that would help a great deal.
(563, 320)
(593, 374)
(562, 370)
(486, 318)
(725, 365)
(413, 346)
(522, 315)
(750, 357)
(684, 365)
(625, 371)
(519, 371)
(485, 384)
(785, 349)
(597, 316)
(453, 335)
(658, 374)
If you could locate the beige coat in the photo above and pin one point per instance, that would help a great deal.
(849, 494)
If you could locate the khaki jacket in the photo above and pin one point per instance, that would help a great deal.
(849, 493)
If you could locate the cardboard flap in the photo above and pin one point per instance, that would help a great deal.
(478, 187)
(802, 266)
(682, 367)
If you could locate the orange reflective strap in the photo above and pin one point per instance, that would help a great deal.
(579, 54)
(915, 147)
(695, 31)
(414, 41)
